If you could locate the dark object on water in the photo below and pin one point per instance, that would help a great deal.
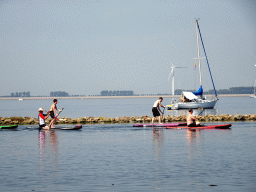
(213, 185)
(31, 127)
(76, 127)
(160, 125)
(8, 126)
(225, 126)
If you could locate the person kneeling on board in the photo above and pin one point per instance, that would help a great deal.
(156, 109)
(41, 119)
(191, 120)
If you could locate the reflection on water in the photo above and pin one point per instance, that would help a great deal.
(194, 138)
(193, 135)
(122, 158)
(48, 146)
(158, 140)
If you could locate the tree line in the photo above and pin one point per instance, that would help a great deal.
(59, 94)
(20, 94)
(116, 93)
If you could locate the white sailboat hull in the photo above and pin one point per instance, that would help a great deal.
(205, 104)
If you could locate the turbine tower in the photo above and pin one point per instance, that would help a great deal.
(172, 73)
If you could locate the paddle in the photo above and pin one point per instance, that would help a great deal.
(201, 111)
(199, 115)
(163, 113)
(59, 113)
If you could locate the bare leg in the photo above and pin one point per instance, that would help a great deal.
(51, 124)
(159, 120)
(153, 120)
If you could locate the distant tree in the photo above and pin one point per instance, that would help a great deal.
(104, 93)
(116, 93)
(58, 94)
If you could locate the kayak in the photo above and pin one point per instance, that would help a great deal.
(225, 126)
(160, 125)
(8, 126)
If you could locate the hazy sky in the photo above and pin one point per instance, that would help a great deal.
(85, 46)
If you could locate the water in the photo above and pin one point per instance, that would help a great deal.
(74, 108)
(120, 157)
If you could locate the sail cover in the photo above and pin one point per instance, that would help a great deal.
(189, 95)
(199, 92)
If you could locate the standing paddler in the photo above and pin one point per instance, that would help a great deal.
(156, 109)
(53, 111)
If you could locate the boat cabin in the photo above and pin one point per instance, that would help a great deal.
(187, 97)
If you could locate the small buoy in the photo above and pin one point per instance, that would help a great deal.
(112, 184)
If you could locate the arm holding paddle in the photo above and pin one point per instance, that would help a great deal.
(191, 120)
(160, 104)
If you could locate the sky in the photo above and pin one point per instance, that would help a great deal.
(85, 46)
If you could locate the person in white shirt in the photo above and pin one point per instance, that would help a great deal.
(156, 110)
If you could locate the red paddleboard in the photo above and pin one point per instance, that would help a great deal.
(160, 125)
(225, 126)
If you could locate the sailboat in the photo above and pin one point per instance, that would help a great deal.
(254, 89)
(195, 100)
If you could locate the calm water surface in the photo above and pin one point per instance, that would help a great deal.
(119, 157)
(74, 108)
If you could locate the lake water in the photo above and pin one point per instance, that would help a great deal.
(119, 157)
(74, 108)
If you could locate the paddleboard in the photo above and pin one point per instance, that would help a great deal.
(8, 126)
(160, 125)
(72, 128)
(225, 126)
(75, 127)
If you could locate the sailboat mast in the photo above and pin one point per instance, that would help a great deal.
(198, 54)
(206, 59)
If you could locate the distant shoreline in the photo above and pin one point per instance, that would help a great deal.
(115, 97)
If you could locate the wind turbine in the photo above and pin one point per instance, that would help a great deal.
(172, 73)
